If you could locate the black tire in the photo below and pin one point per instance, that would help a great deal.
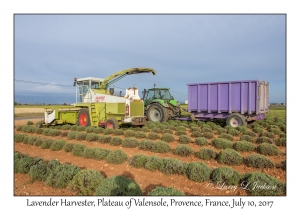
(234, 120)
(157, 113)
(112, 123)
(83, 118)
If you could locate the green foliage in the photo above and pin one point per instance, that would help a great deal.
(81, 136)
(154, 163)
(225, 175)
(74, 128)
(167, 131)
(138, 161)
(23, 164)
(208, 135)
(98, 130)
(258, 161)
(161, 147)
(264, 139)
(268, 149)
(41, 170)
(80, 128)
(85, 182)
(201, 141)
(233, 132)
(100, 154)
(156, 130)
(116, 157)
(31, 140)
(66, 127)
(251, 133)
(153, 136)
(206, 129)
(29, 129)
(78, 150)
(119, 132)
(92, 137)
(104, 139)
(38, 142)
(167, 137)
(220, 143)
(281, 142)
(108, 131)
(18, 137)
(242, 129)
(183, 151)
(46, 144)
(165, 191)
(130, 142)
(221, 130)
(116, 141)
(184, 139)
(180, 132)
(29, 123)
(206, 154)
(260, 184)
(198, 171)
(118, 186)
(180, 128)
(39, 131)
(173, 166)
(196, 134)
(61, 176)
(88, 152)
(146, 145)
(230, 157)
(226, 136)
(57, 145)
(129, 133)
(244, 146)
(68, 147)
(247, 138)
(258, 130)
(54, 132)
(140, 134)
(64, 134)
(145, 129)
(72, 134)
(267, 134)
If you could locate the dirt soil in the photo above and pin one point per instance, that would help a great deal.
(147, 180)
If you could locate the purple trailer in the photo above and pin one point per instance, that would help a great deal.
(235, 101)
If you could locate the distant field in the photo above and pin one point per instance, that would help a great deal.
(29, 111)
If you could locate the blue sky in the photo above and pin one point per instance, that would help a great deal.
(183, 49)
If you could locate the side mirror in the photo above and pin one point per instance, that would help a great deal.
(111, 91)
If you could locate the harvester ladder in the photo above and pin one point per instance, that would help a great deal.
(94, 117)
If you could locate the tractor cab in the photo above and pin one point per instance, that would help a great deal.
(85, 87)
(157, 93)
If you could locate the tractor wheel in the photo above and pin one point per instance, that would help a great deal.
(112, 123)
(235, 120)
(83, 118)
(157, 113)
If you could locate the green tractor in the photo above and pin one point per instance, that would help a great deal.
(97, 105)
(160, 105)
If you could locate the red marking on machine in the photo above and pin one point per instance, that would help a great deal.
(100, 98)
(127, 110)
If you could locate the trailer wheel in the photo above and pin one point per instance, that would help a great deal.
(235, 120)
(112, 123)
(157, 113)
(83, 118)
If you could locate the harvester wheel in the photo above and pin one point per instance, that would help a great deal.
(157, 113)
(83, 118)
(235, 120)
(112, 123)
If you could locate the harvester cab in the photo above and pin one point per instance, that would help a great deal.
(97, 105)
(160, 104)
